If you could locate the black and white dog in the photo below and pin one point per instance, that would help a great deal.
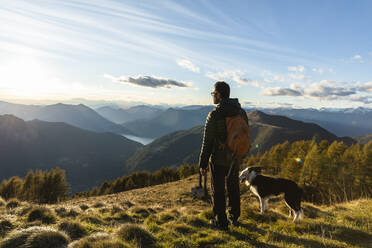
(263, 187)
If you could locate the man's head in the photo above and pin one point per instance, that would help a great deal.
(221, 91)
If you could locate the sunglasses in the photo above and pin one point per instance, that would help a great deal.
(213, 93)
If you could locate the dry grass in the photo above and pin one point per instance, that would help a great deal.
(167, 216)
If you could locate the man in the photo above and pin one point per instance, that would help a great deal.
(212, 153)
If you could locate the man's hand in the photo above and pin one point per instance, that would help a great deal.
(204, 171)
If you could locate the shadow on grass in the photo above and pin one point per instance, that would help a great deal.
(267, 217)
(251, 239)
(277, 237)
(352, 236)
(335, 232)
(313, 212)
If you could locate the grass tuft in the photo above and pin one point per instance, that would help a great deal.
(75, 230)
(98, 205)
(140, 212)
(137, 235)
(5, 227)
(93, 219)
(98, 240)
(17, 238)
(47, 238)
(84, 207)
(43, 214)
(13, 203)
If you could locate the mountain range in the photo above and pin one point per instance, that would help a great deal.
(266, 131)
(168, 121)
(87, 157)
(77, 115)
(342, 122)
(119, 115)
(347, 122)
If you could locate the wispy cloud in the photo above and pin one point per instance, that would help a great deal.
(269, 77)
(245, 81)
(110, 27)
(364, 87)
(318, 70)
(357, 58)
(234, 75)
(296, 76)
(278, 91)
(188, 65)
(297, 72)
(299, 68)
(148, 81)
(325, 90)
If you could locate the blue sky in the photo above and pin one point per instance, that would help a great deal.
(298, 54)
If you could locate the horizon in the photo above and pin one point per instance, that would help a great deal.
(273, 54)
(127, 105)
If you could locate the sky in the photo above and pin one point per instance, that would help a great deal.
(297, 54)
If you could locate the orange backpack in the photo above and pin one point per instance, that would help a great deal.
(238, 138)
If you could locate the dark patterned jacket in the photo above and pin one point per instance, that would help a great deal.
(215, 132)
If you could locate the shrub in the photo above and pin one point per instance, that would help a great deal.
(74, 229)
(137, 235)
(13, 203)
(45, 215)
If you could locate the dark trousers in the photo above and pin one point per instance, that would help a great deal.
(219, 179)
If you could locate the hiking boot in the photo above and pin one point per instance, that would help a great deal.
(214, 223)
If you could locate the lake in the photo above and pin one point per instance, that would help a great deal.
(142, 140)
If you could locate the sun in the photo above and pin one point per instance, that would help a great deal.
(24, 77)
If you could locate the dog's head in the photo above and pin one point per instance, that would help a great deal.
(249, 173)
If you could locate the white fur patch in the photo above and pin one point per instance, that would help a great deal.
(243, 175)
(254, 191)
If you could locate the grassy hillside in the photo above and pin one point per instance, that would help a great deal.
(167, 216)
